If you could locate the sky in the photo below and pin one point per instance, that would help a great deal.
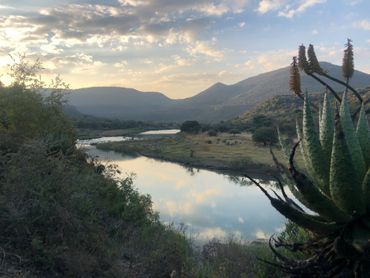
(177, 47)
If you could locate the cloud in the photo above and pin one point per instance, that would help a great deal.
(5, 7)
(129, 22)
(269, 60)
(210, 233)
(204, 48)
(286, 8)
(291, 11)
(203, 196)
(265, 6)
(260, 234)
(363, 24)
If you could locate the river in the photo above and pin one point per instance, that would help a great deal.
(209, 204)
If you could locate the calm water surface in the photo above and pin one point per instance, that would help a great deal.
(161, 132)
(210, 204)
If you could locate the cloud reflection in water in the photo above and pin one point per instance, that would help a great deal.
(209, 203)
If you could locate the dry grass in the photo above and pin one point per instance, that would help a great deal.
(224, 152)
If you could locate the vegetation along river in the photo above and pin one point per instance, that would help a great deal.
(209, 204)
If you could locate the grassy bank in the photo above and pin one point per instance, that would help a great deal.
(226, 152)
(87, 133)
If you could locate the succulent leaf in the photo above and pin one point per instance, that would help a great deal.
(303, 219)
(327, 128)
(345, 187)
(313, 151)
(317, 201)
(366, 190)
(351, 139)
(363, 134)
(284, 146)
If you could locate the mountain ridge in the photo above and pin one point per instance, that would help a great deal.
(218, 102)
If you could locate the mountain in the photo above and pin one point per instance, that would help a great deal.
(121, 103)
(284, 110)
(218, 102)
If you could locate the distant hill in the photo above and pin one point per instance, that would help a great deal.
(121, 103)
(283, 110)
(218, 102)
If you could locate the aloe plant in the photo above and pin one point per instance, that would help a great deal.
(334, 185)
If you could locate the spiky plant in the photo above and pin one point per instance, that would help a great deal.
(334, 187)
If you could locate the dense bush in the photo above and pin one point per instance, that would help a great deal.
(62, 215)
(190, 127)
(265, 135)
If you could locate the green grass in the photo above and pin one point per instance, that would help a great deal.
(223, 152)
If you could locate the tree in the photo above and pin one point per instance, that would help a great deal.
(336, 182)
(190, 127)
(261, 121)
(265, 135)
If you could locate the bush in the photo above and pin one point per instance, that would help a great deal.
(265, 135)
(212, 133)
(190, 127)
(68, 217)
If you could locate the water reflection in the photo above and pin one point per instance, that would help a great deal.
(161, 132)
(94, 141)
(208, 203)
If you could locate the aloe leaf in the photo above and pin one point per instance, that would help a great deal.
(366, 189)
(313, 150)
(303, 219)
(345, 186)
(304, 151)
(327, 128)
(351, 139)
(284, 146)
(317, 201)
(363, 134)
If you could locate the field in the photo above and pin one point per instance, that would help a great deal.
(230, 152)
(85, 133)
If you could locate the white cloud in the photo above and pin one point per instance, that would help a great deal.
(210, 233)
(242, 24)
(269, 61)
(5, 7)
(290, 11)
(363, 24)
(203, 48)
(265, 6)
(286, 8)
(259, 234)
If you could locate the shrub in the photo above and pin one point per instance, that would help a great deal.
(64, 216)
(212, 133)
(265, 135)
(190, 127)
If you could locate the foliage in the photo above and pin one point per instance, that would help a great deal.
(190, 127)
(212, 132)
(90, 122)
(233, 258)
(265, 135)
(335, 185)
(61, 213)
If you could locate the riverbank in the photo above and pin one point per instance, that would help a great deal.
(86, 133)
(225, 152)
